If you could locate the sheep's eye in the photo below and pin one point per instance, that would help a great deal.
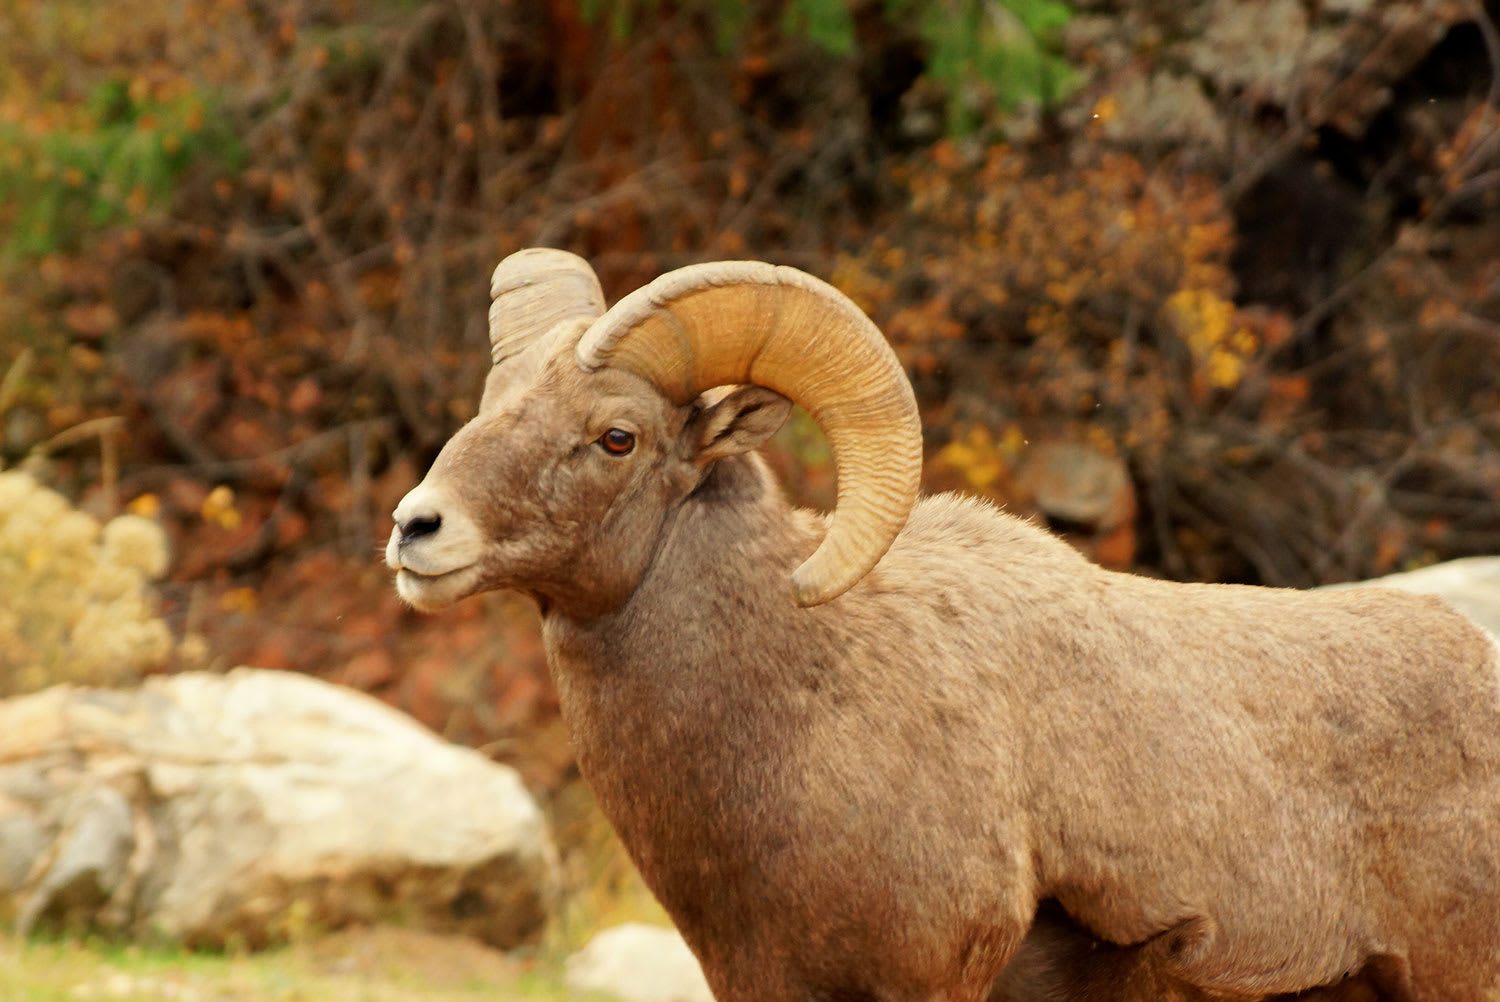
(617, 441)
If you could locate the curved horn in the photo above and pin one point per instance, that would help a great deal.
(534, 290)
(727, 322)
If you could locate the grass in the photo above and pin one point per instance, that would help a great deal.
(369, 965)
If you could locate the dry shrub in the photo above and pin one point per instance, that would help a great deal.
(75, 601)
(1095, 291)
(1094, 302)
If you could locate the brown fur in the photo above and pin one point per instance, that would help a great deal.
(1062, 962)
(1225, 792)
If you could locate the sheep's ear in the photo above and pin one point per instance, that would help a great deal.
(739, 422)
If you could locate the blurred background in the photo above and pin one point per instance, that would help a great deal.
(1213, 287)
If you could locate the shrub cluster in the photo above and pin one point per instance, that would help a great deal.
(75, 599)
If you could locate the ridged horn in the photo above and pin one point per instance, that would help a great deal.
(534, 290)
(710, 325)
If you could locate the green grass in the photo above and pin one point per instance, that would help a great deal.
(374, 965)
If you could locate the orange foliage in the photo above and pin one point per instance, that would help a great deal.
(290, 339)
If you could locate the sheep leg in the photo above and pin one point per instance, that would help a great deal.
(1385, 978)
(1059, 961)
(1389, 979)
(1189, 944)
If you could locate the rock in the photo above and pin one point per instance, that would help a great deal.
(1078, 483)
(243, 807)
(1085, 494)
(1471, 585)
(1192, 79)
(1260, 49)
(94, 844)
(1164, 108)
(638, 963)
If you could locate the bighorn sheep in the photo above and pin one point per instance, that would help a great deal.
(1234, 792)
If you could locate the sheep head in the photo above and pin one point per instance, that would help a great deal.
(595, 425)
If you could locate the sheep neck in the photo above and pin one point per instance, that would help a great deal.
(673, 685)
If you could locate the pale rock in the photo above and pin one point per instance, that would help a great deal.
(636, 962)
(1262, 49)
(95, 842)
(1166, 109)
(21, 842)
(215, 808)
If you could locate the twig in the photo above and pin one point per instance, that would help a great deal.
(360, 524)
(1491, 36)
(10, 386)
(260, 546)
(1303, 124)
(1478, 184)
(92, 428)
(1171, 554)
(1374, 501)
(306, 451)
(107, 430)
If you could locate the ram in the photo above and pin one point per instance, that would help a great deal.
(865, 785)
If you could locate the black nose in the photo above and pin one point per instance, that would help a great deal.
(420, 525)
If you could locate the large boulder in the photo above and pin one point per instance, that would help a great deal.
(245, 807)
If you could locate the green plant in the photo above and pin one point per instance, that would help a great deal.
(1005, 51)
(118, 157)
(828, 23)
(986, 53)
